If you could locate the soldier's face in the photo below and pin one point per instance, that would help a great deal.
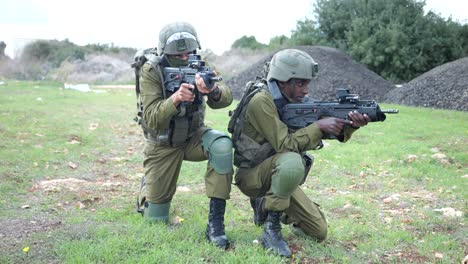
(178, 60)
(296, 89)
(183, 57)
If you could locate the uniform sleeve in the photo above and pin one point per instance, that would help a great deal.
(157, 111)
(265, 124)
(225, 99)
(348, 131)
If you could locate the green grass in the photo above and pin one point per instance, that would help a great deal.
(382, 191)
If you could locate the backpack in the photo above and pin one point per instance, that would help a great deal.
(235, 124)
(140, 58)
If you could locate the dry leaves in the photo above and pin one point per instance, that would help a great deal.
(72, 165)
(93, 126)
(411, 158)
(442, 158)
(449, 212)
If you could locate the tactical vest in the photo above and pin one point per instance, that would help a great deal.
(248, 153)
(182, 126)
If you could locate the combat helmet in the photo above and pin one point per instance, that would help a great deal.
(292, 63)
(177, 38)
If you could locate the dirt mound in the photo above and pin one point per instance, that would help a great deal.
(95, 69)
(445, 87)
(336, 70)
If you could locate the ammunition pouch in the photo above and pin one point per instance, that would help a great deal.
(160, 137)
(181, 128)
(249, 153)
(179, 131)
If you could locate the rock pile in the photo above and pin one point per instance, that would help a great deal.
(336, 70)
(444, 87)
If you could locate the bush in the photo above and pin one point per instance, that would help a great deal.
(42, 59)
(248, 43)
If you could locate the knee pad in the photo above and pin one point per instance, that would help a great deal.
(157, 212)
(289, 173)
(219, 149)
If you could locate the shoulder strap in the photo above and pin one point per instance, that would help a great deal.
(251, 88)
(141, 57)
(236, 116)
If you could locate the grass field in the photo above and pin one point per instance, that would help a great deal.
(70, 165)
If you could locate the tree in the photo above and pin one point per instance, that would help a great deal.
(307, 33)
(393, 38)
(278, 42)
(248, 42)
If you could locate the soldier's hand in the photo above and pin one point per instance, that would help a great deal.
(332, 125)
(183, 94)
(358, 119)
(201, 85)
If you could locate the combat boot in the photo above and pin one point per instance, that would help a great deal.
(272, 238)
(260, 214)
(215, 228)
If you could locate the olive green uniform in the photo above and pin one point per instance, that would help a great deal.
(162, 161)
(262, 124)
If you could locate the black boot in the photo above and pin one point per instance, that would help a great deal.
(272, 238)
(215, 228)
(260, 214)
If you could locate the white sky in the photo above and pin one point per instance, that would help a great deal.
(137, 23)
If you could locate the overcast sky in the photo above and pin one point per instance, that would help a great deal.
(137, 23)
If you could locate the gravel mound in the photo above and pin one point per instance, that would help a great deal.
(95, 69)
(336, 70)
(445, 86)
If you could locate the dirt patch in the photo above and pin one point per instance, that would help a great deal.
(400, 256)
(72, 184)
(336, 70)
(40, 225)
(17, 229)
(17, 234)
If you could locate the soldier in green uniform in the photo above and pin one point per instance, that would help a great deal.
(173, 125)
(271, 158)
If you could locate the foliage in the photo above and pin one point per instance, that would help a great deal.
(278, 42)
(41, 57)
(393, 38)
(70, 165)
(248, 42)
(108, 48)
(306, 33)
(52, 51)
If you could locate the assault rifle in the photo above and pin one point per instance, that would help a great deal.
(175, 76)
(299, 115)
